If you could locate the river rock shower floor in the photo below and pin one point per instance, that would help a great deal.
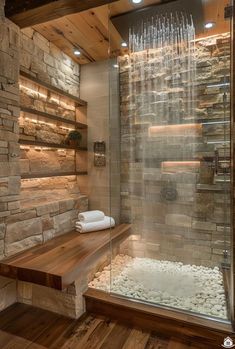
(195, 288)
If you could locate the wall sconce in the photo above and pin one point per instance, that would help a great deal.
(99, 154)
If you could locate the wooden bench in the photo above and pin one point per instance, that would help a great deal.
(59, 262)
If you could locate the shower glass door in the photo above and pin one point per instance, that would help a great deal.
(170, 154)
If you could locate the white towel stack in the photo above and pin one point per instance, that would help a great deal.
(92, 221)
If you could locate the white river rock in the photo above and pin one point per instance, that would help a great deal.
(195, 288)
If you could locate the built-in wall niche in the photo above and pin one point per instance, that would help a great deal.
(40, 161)
(39, 98)
(34, 127)
(48, 116)
(180, 166)
(180, 130)
(38, 191)
(38, 128)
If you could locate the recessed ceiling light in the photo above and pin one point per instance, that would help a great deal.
(77, 52)
(136, 1)
(209, 25)
(124, 44)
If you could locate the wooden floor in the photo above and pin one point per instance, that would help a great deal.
(23, 327)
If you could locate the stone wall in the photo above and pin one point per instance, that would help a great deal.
(194, 226)
(40, 160)
(42, 59)
(33, 211)
(9, 134)
(39, 98)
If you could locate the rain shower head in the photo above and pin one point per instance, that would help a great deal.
(190, 8)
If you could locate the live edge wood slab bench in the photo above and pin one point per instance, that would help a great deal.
(59, 262)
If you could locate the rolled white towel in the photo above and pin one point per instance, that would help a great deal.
(107, 222)
(91, 216)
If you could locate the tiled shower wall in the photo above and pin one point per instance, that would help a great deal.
(193, 227)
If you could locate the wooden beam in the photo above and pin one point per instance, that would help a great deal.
(27, 13)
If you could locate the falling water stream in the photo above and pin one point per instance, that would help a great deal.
(162, 78)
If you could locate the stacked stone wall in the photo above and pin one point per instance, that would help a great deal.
(34, 211)
(195, 226)
(54, 203)
(43, 60)
(9, 135)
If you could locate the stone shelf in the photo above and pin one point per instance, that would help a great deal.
(77, 124)
(58, 174)
(79, 102)
(50, 145)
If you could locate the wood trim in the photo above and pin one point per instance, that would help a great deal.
(227, 287)
(50, 145)
(79, 102)
(62, 260)
(58, 174)
(165, 321)
(27, 13)
(232, 290)
(77, 124)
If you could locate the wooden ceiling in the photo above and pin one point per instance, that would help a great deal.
(91, 31)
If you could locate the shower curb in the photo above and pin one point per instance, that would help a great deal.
(166, 321)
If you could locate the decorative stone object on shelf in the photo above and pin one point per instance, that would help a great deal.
(99, 154)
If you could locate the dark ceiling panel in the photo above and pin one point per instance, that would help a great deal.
(134, 18)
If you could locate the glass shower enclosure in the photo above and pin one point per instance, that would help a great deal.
(170, 124)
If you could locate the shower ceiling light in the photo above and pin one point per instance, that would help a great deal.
(209, 25)
(77, 52)
(124, 44)
(136, 1)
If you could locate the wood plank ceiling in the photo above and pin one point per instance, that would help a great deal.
(91, 31)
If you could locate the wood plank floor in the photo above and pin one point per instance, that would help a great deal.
(26, 327)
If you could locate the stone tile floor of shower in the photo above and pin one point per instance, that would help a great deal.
(195, 288)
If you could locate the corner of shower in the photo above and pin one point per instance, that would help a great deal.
(170, 158)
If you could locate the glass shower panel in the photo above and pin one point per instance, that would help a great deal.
(174, 155)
